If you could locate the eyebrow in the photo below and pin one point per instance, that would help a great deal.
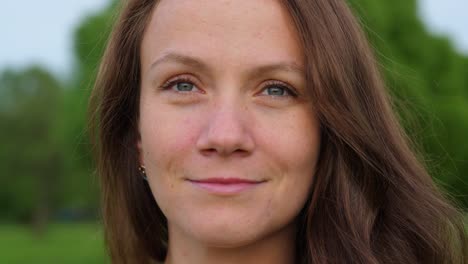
(194, 62)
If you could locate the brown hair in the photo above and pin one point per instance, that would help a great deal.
(372, 200)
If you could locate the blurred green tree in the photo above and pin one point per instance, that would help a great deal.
(31, 155)
(90, 38)
(429, 83)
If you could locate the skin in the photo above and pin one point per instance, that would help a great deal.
(234, 119)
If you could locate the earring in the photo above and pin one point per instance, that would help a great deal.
(142, 170)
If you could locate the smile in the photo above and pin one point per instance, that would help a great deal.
(225, 186)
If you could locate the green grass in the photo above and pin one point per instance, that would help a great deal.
(63, 243)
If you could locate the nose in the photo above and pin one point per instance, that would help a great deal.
(226, 132)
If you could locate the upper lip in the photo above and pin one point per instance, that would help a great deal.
(226, 180)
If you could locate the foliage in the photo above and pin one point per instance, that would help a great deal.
(31, 154)
(429, 83)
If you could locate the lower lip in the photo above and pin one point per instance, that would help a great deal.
(223, 188)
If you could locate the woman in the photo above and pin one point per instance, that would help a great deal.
(257, 132)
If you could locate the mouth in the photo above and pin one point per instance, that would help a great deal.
(225, 186)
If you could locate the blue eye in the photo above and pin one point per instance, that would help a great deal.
(184, 86)
(277, 89)
(181, 85)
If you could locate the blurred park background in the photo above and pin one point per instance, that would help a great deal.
(49, 202)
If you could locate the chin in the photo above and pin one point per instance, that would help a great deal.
(225, 234)
(226, 239)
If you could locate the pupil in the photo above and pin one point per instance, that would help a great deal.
(184, 86)
(275, 91)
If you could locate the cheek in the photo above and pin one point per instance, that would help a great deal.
(295, 151)
(166, 136)
(167, 139)
(295, 146)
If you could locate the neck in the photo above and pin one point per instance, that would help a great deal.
(278, 248)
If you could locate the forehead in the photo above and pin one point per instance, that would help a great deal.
(227, 32)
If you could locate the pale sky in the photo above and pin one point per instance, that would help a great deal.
(39, 31)
(449, 18)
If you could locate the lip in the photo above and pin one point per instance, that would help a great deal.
(225, 186)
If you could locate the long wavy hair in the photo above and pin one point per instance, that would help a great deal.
(371, 201)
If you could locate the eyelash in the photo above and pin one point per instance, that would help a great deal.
(177, 80)
(271, 83)
(286, 87)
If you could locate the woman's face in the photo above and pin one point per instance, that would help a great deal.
(229, 138)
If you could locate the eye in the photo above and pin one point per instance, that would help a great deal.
(180, 84)
(184, 86)
(277, 89)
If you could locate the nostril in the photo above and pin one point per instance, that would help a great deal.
(214, 151)
(240, 153)
(209, 151)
